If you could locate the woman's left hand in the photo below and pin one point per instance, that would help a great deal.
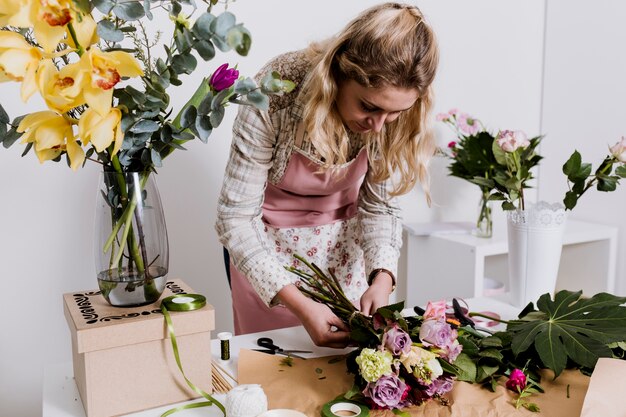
(377, 295)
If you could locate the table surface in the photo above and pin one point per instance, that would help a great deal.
(61, 397)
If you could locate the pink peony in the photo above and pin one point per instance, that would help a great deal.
(517, 381)
(510, 140)
(619, 150)
(223, 77)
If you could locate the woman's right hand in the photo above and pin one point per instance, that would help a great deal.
(322, 325)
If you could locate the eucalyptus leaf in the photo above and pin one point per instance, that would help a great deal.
(204, 128)
(104, 6)
(129, 10)
(258, 100)
(144, 126)
(156, 158)
(107, 31)
(244, 85)
(202, 27)
(188, 117)
(217, 116)
(205, 49)
(11, 137)
(571, 328)
(146, 9)
(184, 64)
(204, 107)
(4, 117)
(239, 39)
(222, 24)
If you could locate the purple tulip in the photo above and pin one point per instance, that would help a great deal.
(397, 341)
(387, 392)
(223, 77)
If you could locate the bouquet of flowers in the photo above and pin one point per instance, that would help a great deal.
(105, 86)
(500, 165)
(400, 361)
(405, 359)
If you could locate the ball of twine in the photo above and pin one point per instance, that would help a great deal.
(246, 400)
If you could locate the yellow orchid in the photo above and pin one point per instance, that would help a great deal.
(62, 90)
(85, 29)
(52, 135)
(15, 13)
(48, 19)
(100, 130)
(18, 61)
(105, 70)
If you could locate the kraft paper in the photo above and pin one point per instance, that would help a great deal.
(309, 384)
(606, 390)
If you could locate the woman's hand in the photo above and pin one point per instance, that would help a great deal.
(324, 327)
(377, 295)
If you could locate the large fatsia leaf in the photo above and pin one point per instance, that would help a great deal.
(570, 328)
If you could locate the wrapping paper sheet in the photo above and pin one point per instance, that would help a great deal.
(606, 396)
(309, 384)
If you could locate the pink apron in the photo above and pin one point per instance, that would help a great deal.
(302, 198)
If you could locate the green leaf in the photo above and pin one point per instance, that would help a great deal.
(156, 158)
(621, 171)
(204, 107)
(244, 85)
(144, 126)
(184, 63)
(11, 137)
(571, 328)
(507, 205)
(129, 10)
(204, 128)
(202, 27)
(570, 200)
(491, 341)
(188, 116)
(217, 116)
(107, 31)
(572, 166)
(238, 38)
(485, 371)
(104, 6)
(258, 100)
(467, 368)
(355, 390)
(498, 153)
(4, 117)
(401, 413)
(205, 49)
(607, 183)
(222, 24)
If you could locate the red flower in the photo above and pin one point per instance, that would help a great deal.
(517, 381)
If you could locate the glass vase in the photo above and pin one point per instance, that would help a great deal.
(131, 246)
(484, 224)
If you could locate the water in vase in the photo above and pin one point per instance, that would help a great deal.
(123, 288)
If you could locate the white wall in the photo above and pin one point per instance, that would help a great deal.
(491, 67)
(583, 105)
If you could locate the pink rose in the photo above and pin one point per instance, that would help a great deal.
(510, 140)
(436, 310)
(223, 77)
(619, 150)
(517, 381)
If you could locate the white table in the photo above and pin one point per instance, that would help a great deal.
(435, 265)
(61, 398)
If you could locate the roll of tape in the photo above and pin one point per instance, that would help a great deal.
(246, 400)
(344, 408)
(184, 302)
(282, 412)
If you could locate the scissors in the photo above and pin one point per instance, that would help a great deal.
(272, 349)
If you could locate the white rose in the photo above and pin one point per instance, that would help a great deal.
(619, 150)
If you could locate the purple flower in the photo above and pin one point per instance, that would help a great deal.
(223, 77)
(439, 386)
(387, 392)
(452, 351)
(517, 381)
(397, 340)
(438, 333)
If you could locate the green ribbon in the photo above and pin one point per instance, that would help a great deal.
(185, 302)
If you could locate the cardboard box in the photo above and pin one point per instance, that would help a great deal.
(123, 359)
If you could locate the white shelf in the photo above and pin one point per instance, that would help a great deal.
(447, 264)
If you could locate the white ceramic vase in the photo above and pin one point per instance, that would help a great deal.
(535, 238)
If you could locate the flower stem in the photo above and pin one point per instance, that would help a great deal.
(79, 49)
(472, 314)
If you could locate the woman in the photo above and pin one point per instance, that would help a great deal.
(312, 175)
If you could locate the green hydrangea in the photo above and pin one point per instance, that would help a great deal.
(374, 364)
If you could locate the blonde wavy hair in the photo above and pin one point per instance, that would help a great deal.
(386, 45)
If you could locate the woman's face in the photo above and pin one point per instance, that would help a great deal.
(366, 109)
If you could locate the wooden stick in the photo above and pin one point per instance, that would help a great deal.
(225, 372)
